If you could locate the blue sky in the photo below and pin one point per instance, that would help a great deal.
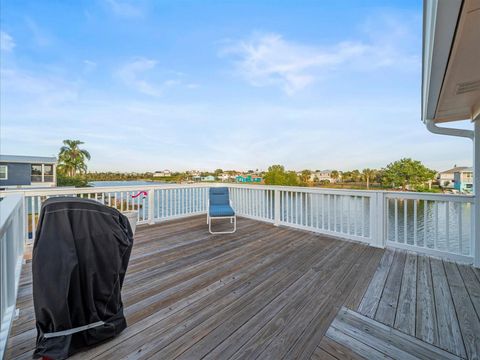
(149, 85)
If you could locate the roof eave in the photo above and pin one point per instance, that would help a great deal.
(440, 19)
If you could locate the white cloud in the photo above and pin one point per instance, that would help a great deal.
(143, 75)
(131, 74)
(19, 85)
(89, 66)
(269, 59)
(6, 42)
(125, 8)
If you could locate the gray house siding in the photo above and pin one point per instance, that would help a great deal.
(18, 174)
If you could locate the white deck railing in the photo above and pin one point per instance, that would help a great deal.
(435, 224)
(11, 254)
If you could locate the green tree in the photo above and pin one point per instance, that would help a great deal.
(347, 176)
(276, 175)
(218, 172)
(305, 177)
(407, 173)
(77, 181)
(356, 176)
(72, 159)
(368, 174)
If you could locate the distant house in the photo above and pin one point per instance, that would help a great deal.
(324, 175)
(248, 179)
(208, 178)
(446, 179)
(224, 177)
(463, 180)
(163, 173)
(27, 171)
(193, 172)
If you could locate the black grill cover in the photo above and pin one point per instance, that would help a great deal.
(80, 257)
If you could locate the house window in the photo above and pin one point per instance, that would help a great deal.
(36, 173)
(3, 172)
(48, 173)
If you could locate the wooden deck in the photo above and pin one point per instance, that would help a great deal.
(270, 293)
(415, 307)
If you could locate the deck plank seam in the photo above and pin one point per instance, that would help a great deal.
(455, 309)
(399, 292)
(468, 292)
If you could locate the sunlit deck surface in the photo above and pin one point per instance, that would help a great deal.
(271, 292)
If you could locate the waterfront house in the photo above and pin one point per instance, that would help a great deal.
(446, 178)
(287, 284)
(223, 177)
(463, 180)
(322, 176)
(208, 178)
(18, 171)
(163, 173)
(248, 179)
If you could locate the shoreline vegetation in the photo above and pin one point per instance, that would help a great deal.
(405, 174)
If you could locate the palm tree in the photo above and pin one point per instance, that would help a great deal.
(72, 159)
(368, 174)
(335, 175)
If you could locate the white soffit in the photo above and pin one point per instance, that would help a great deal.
(460, 92)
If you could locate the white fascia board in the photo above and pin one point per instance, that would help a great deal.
(440, 19)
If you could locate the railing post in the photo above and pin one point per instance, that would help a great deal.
(377, 220)
(476, 192)
(151, 206)
(276, 213)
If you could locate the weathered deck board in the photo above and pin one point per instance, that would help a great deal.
(426, 317)
(387, 307)
(467, 317)
(472, 284)
(344, 351)
(449, 335)
(365, 335)
(406, 309)
(321, 354)
(369, 303)
(357, 293)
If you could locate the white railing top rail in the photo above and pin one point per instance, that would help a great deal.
(87, 190)
(430, 196)
(351, 192)
(305, 189)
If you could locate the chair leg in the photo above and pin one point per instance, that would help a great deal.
(232, 219)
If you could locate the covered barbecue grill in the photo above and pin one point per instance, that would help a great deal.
(80, 257)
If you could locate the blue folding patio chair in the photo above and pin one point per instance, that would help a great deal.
(220, 207)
